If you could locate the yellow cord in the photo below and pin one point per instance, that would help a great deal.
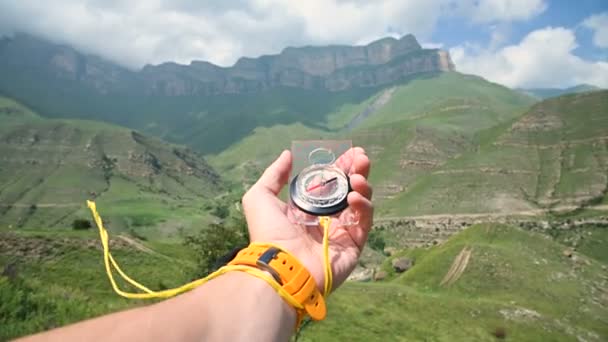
(149, 294)
(325, 221)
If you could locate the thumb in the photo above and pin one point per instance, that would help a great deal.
(276, 175)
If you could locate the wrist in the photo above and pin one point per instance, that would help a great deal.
(305, 256)
(311, 262)
(252, 305)
(290, 278)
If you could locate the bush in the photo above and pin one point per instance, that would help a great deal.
(220, 211)
(375, 240)
(217, 243)
(81, 224)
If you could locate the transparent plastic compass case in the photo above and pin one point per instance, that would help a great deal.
(319, 182)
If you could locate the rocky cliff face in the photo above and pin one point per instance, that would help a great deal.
(24, 56)
(333, 68)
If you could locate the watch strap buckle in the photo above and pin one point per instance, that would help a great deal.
(264, 263)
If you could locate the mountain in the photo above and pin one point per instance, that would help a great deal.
(409, 129)
(545, 93)
(554, 157)
(440, 142)
(48, 168)
(202, 105)
(333, 68)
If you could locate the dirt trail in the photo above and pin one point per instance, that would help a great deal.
(143, 248)
(458, 266)
(569, 143)
(378, 103)
(136, 244)
(43, 205)
(533, 212)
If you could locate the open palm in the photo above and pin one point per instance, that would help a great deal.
(267, 219)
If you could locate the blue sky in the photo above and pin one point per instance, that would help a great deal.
(480, 47)
(518, 43)
(452, 31)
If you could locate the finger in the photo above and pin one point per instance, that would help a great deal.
(361, 165)
(276, 175)
(346, 160)
(364, 208)
(359, 184)
(359, 150)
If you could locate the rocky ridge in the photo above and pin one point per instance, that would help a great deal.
(332, 68)
(416, 232)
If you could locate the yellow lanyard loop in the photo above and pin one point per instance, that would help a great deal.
(149, 294)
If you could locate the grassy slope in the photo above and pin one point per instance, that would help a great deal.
(545, 93)
(510, 270)
(208, 124)
(50, 167)
(428, 120)
(554, 155)
(61, 279)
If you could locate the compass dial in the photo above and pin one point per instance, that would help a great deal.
(320, 190)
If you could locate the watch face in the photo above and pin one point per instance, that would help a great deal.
(320, 190)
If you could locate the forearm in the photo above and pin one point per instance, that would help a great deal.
(233, 307)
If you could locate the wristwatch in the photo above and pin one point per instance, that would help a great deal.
(287, 270)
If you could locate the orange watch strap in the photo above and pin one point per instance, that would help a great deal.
(289, 272)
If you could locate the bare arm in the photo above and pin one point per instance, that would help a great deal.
(233, 307)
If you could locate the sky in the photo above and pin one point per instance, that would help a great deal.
(518, 43)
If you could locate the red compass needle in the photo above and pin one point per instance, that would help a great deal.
(321, 184)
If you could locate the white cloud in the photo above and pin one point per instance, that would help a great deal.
(431, 45)
(485, 11)
(599, 24)
(544, 58)
(137, 32)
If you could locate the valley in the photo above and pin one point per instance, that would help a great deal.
(491, 204)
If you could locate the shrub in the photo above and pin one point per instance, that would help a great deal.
(81, 224)
(375, 240)
(217, 242)
(220, 211)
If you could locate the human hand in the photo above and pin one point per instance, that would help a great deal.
(267, 219)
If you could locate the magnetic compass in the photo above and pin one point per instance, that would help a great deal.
(320, 190)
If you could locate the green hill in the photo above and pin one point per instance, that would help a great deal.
(514, 281)
(545, 93)
(409, 129)
(49, 168)
(553, 157)
(205, 106)
(440, 143)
